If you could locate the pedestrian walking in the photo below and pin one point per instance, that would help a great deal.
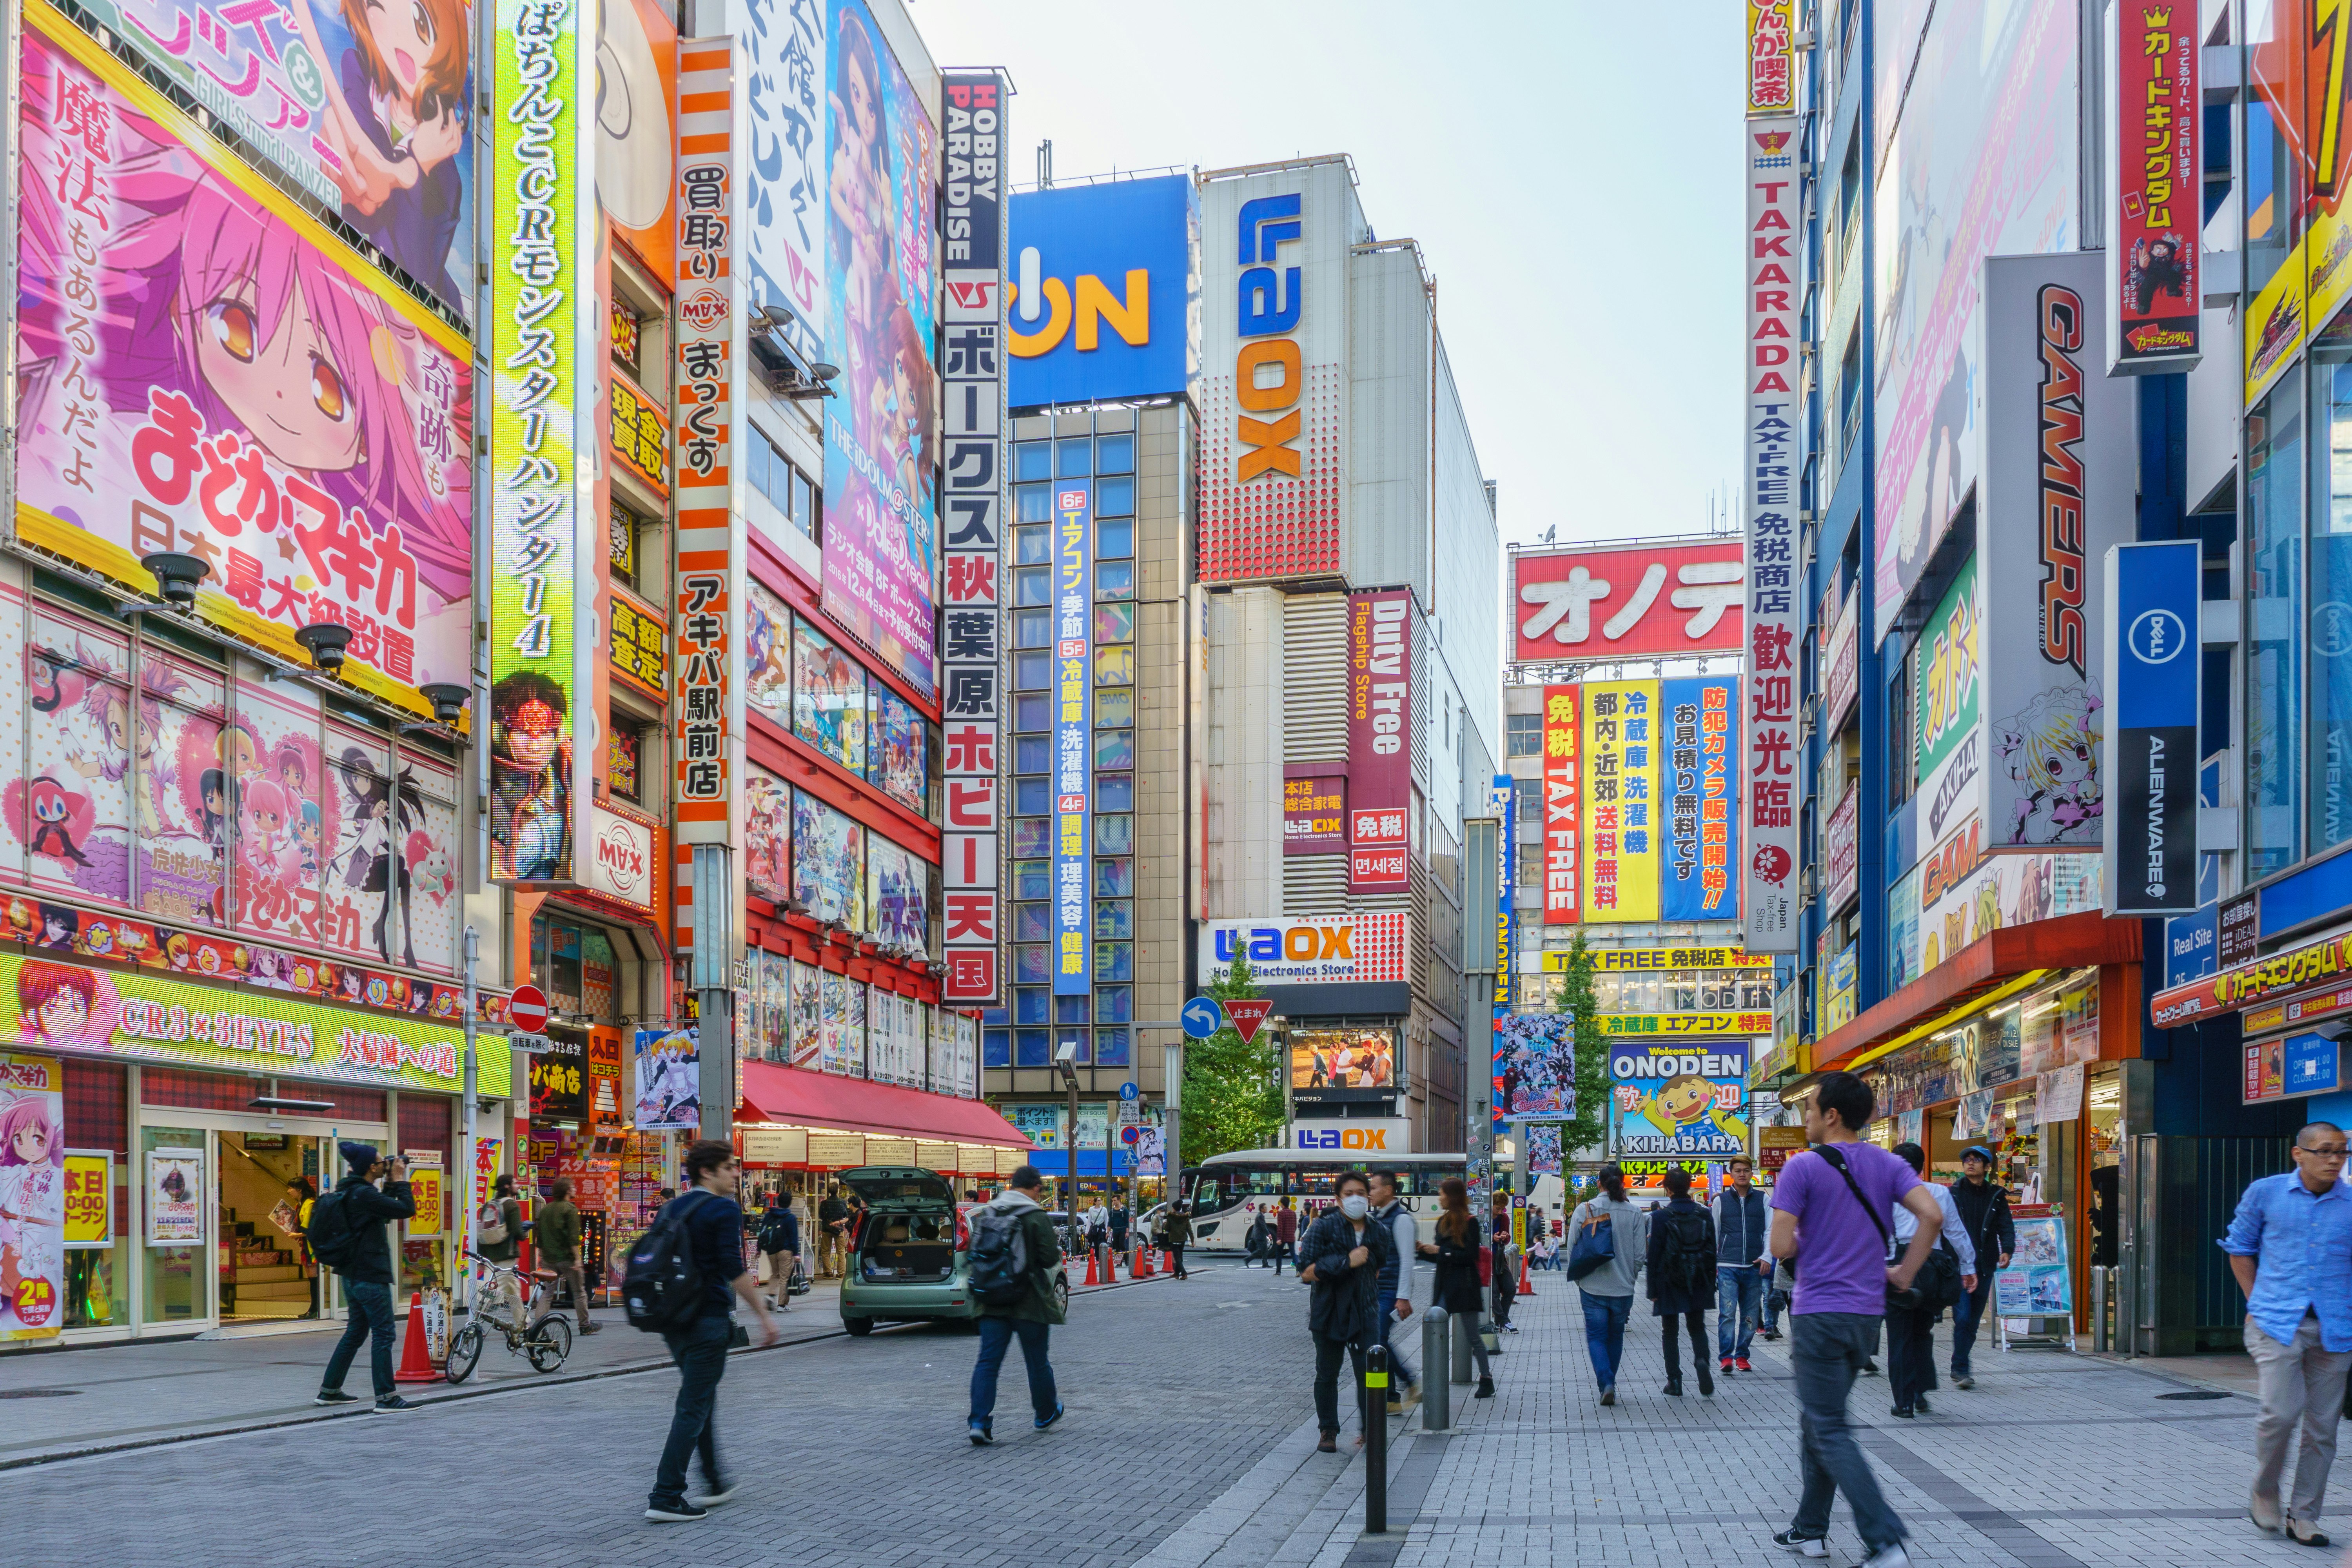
(780, 1239)
(1256, 1238)
(713, 1224)
(1014, 1253)
(1455, 1288)
(1396, 1279)
(1681, 1262)
(1503, 1274)
(832, 1220)
(1984, 1211)
(1829, 1214)
(347, 1235)
(2290, 1245)
(1175, 1235)
(1118, 1226)
(1286, 1236)
(1742, 1266)
(556, 1236)
(1342, 1257)
(499, 1228)
(1608, 1290)
(1911, 1324)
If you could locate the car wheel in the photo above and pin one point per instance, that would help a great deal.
(861, 1326)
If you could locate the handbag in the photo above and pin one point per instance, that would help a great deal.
(1937, 1285)
(1596, 1245)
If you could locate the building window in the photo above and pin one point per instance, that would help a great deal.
(784, 487)
(2274, 647)
(2328, 754)
(1525, 733)
(1033, 460)
(1115, 454)
(1115, 580)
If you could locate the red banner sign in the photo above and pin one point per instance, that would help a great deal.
(2158, 186)
(1380, 742)
(1560, 798)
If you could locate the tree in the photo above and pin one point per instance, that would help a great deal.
(1588, 1128)
(1233, 1091)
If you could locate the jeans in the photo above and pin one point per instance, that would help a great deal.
(1739, 1296)
(1968, 1316)
(1327, 1380)
(700, 1353)
(1910, 1354)
(1604, 1333)
(371, 1320)
(2301, 1384)
(1695, 1322)
(1826, 1350)
(996, 1337)
(1176, 1259)
(1282, 1250)
(1477, 1343)
(1395, 1341)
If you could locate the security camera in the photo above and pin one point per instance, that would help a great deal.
(177, 576)
(448, 701)
(325, 643)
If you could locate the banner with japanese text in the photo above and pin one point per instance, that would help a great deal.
(1563, 748)
(1700, 727)
(1622, 823)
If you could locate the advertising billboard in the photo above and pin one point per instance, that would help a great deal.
(2299, 252)
(1981, 162)
(1563, 748)
(1679, 1099)
(1342, 1058)
(1074, 685)
(1771, 57)
(1842, 849)
(1104, 303)
(165, 299)
(1698, 729)
(1623, 826)
(881, 429)
(1611, 604)
(2060, 486)
(1274, 383)
(1535, 1068)
(1502, 804)
(1771, 440)
(1380, 757)
(2152, 599)
(787, 172)
(971, 304)
(1293, 949)
(1947, 709)
(1840, 672)
(2155, 212)
(1314, 815)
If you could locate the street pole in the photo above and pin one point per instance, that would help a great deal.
(1172, 1067)
(462, 1178)
(1070, 1147)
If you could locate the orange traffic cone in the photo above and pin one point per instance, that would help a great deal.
(1093, 1276)
(416, 1358)
(1111, 1267)
(1142, 1269)
(1525, 1289)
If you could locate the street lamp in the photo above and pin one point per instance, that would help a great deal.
(1065, 1056)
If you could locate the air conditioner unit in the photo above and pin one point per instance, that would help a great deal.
(1807, 889)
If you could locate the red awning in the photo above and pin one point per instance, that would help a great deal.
(800, 1098)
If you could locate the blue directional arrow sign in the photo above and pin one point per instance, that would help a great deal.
(1204, 1017)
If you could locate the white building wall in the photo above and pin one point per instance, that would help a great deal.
(1245, 753)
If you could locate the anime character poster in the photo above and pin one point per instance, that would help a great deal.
(175, 1197)
(896, 884)
(365, 105)
(881, 434)
(69, 807)
(284, 814)
(669, 1080)
(808, 1014)
(838, 1050)
(531, 779)
(1534, 1067)
(179, 797)
(894, 749)
(768, 656)
(767, 836)
(828, 862)
(32, 1197)
(828, 697)
(204, 369)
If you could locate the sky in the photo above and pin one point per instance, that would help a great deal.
(1571, 169)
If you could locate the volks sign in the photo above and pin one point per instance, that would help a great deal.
(1290, 951)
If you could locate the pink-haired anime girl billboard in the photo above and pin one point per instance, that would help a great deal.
(204, 369)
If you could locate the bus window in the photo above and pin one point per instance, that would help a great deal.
(1312, 1182)
(1208, 1194)
(1263, 1181)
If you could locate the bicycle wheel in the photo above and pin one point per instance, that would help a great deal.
(465, 1353)
(549, 1344)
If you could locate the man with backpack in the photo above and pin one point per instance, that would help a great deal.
(1013, 1257)
(1742, 1266)
(779, 1238)
(1946, 1282)
(347, 1235)
(1343, 1257)
(683, 1277)
(1681, 1264)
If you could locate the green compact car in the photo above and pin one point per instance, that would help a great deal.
(910, 1258)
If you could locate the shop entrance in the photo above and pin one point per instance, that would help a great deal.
(266, 1271)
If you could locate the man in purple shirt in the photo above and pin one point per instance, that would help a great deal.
(1832, 1210)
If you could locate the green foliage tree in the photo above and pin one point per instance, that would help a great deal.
(1578, 999)
(1233, 1091)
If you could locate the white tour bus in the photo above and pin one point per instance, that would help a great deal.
(1229, 1189)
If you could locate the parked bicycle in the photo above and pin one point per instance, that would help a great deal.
(535, 1332)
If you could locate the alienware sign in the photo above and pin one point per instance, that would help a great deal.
(2150, 838)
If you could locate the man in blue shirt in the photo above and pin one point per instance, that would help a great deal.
(2290, 1246)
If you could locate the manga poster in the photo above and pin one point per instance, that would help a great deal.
(897, 885)
(881, 434)
(32, 1197)
(669, 1080)
(828, 697)
(767, 836)
(828, 862)
(807, 1008)
(204, 369)
(768, 656)
(894, 749)
(1534, 1067)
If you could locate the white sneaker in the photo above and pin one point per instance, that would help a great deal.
(1888, 1557)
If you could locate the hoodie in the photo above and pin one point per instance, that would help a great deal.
(1042, 1304)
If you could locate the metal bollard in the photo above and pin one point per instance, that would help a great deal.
(1376, 1441)
(1436, 1393)
(1465, 1324)
(2099, 1311)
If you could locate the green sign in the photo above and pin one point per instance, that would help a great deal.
(1946, 678)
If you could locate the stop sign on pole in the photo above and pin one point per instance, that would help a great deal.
(1248, 1016)
(527, 1009)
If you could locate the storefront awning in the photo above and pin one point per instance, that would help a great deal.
(2068, 941)
(800, 1098)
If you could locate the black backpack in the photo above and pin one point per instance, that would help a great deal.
(661, 1289)
(330, 1234)
(1688, 1265)
(999, 1272)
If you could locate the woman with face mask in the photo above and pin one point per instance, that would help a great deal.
(1342, 1257)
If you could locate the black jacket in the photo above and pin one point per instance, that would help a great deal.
(1666, 1292)
(1457, 1271)
(365, 1211)
(1345, 1305)
(1984, 1210)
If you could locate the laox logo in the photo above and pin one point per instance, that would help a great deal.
(1298, 944)
(1364, 1138)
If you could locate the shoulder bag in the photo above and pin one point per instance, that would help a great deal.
(1596, 1244)
(1937, 1283)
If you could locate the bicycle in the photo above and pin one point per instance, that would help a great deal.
(541, 1337)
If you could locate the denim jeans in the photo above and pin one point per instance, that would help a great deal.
(371, 1318)
(1967, 1317)
(1827, 1350)
(1327, 1356)
(1739, 1297)
(1604, 1332)
(996, 1337)
(700, 1353)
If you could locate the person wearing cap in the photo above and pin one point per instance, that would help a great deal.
(1983, 1206)
(373, 1192)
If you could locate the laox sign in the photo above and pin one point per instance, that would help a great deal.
(1299, 944)
(1365, 1138)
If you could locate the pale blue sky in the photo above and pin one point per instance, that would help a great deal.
(1570, 169)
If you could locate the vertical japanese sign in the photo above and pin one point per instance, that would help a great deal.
(546, 345)
(710, 390)
(1622, 821)
(1073, 733)
(1771, 57)
(1502, 804)
(1772, 755)
(2153, 290)
(1562, 750)
(1700, 719)
(784, 146)
(972, 305)
(1380, 761)
(2151, 745)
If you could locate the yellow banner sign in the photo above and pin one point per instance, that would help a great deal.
(1622, 819)
(1646, 959)
(425, 1187)
(89, 1198)
(1685, 1026)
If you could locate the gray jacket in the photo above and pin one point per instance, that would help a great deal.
(1631, 1226)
